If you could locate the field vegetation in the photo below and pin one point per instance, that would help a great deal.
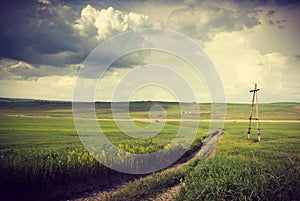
(41, 156)
(249, 170)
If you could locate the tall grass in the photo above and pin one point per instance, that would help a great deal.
(236, 179)
(249, 170)
(52, 173)
(32, 174)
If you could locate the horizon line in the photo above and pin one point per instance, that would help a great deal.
(162, 101)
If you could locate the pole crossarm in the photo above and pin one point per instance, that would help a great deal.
(254, 90)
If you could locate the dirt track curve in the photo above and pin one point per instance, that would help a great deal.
(208, 149)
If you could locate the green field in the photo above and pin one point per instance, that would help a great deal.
(40, 152)
(249, 170)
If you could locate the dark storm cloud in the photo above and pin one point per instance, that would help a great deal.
(285, 2)
(297, 57)
(270, 13)
(36, 33)
(43, 34)
(204, 20)
(269, 2)
(130, 60)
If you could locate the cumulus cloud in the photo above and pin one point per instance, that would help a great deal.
(105, 23)
(52, 35)
(21, 65)
(44, 1)
(96, 25)
(13, 69)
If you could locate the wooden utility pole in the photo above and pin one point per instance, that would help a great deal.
(255, 96)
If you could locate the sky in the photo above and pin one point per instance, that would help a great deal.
(45, 44)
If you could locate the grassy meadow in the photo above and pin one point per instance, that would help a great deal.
(249, 170)
(42, 158)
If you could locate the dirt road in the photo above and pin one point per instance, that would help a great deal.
(162, 120)
(207, 150)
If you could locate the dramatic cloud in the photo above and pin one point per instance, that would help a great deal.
(105, 23)
(45, 35)
(36, 32)
(100, 24)
(205, 20)
(44, 42)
